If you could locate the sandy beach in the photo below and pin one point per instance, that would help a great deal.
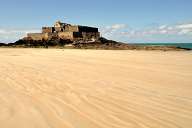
(56, 88)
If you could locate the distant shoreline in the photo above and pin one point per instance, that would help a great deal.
(182, 45)
(102, 44)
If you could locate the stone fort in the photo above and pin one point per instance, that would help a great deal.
(67, 32)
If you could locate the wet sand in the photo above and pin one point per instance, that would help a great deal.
(55, 88)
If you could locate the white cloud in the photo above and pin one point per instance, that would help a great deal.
(119, 31)
(184, 26)
(12, 31)
(162, 26)
(109, 31)
(12, 34)
(118, 26)
(184, 29)
(2, 31)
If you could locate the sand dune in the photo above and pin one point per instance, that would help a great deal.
(55, 88)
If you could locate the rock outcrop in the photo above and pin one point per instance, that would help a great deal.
(102, 43)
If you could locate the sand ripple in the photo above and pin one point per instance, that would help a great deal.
(54, 88)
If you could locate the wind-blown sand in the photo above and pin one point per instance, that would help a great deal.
(55, 88)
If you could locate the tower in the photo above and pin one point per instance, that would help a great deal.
(58, 24)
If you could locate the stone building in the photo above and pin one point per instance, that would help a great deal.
(66, 31)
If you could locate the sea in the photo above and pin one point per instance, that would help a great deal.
(181, 45)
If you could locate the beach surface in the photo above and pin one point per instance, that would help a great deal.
(56, 88)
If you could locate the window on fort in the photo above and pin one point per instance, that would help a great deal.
(53, 30)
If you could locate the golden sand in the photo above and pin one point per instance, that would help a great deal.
(55, 88)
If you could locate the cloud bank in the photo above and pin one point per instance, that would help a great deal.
(148, 34)
(8, 35)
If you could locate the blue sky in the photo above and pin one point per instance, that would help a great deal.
(134, 21)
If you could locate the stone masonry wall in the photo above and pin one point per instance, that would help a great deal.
(36, 36)
(71, 28)
(65, 35)
(91, 35)
(47, 29)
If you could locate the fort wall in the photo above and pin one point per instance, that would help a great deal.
(71, 28)
(36, 36)
(47, 29)
(91, 35)
(65, 35)
(49, 36)
(66, 31)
